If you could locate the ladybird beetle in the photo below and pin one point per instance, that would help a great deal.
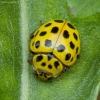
(56, 46)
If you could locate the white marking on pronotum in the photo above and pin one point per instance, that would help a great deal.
(24, 38)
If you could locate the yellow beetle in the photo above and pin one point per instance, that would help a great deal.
(56, 45)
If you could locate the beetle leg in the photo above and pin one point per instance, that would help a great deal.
(59, 76)
(41, 22)
(32, 35)
(30, 61)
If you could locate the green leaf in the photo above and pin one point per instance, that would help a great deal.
(18, 18)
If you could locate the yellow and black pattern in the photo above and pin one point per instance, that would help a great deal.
(56, 38)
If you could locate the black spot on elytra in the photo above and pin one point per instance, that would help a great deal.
(37, 44)
(76, 50)
(54, 30)
(71, 59)
(43, 33)
(71, 26)
(72, 45)
(59, 21)
(36, 33)
(49, 58)
(48, 43)
(32, 43)
(65, 34)
(67, 57)
(50, 66)
(43, 64)
(39, 58)
(48, 24)
(56, 64)
(75, 36)
(61, 48)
